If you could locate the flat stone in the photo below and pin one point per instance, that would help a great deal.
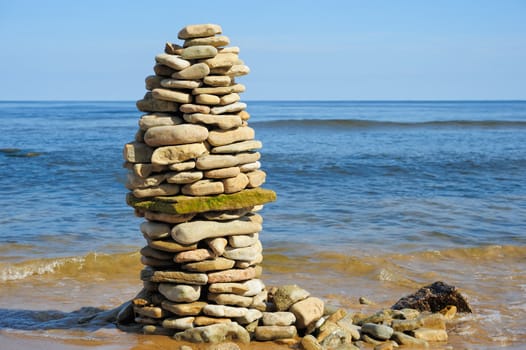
(193, 108)
(170, 246)
(163, 71)
(234, 275)
(243, 240)
(224, 311)
(216, 264)
(216, 333)
(226, 137)
(156, 254)
(245, 253)
(172, 61)
(223, 90)
(203, 188)
(217, 80)
(406, 325)
(207, 99)
(254, 287)
(188, 165)
(150, 104)
(153, 81)
(175, 135)
(434, 298)
(230, 299)
(222, 59)
(235, 288)
(188, 204)
(174, 277)
(179, 323)
(161, 190)
(144, 169)
(194, 72)
(184, 177)
(226, 215)
(194, 231)
(404, 339)
(233, 49)
(225, 121)
(247, 157)
(238, 147)
(193, 256)
(179, 153)
(190, 309)
(245, 168)
(307, 311)
(135, 181)
(171, 95)
(251, 316)
(428, 334)
(137, 152)
(256, 178)
(215, 161)
(235, 184)
(267, 333)
(215, 41)
(180, 84)
(243, 264)
(155, 230)
(222, 173)
(229, 99)
(158, 119)
(282, 318)
(199, 31)
(217, 245)
(231, 108)
(199, 52)
(377, 331)
(206, 321)
(260, 301)
(237, 70)
(285, 296)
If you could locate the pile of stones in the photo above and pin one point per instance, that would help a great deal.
(194, 175)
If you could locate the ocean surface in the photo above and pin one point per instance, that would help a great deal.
(375, 199)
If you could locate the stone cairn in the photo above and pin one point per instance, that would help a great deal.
(194, 175)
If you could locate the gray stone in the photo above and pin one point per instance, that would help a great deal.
(155, 230)
(404, 339)
(251, 316)
(243, 240)
(244, 253)
(199, 52)
(377, 331)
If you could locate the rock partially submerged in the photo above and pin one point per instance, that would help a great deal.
(434, 298)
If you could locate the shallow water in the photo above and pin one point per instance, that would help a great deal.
(375, 199)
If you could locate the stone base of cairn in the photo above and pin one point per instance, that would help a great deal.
(194, 175)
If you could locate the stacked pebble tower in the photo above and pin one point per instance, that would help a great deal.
(194, 175)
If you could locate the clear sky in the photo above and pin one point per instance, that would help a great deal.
(347, 50)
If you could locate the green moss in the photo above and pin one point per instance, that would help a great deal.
(187, 204)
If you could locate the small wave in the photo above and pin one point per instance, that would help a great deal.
(362, 123)
(106, 264)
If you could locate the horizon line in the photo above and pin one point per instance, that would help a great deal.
(296, 100)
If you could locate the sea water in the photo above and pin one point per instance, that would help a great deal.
(374, 198)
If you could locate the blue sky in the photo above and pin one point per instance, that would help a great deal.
(346, 50)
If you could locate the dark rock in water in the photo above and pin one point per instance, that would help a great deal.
(434, 298)
(16, 152)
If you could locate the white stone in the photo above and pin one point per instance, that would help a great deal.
(180, 293)
(194, 231)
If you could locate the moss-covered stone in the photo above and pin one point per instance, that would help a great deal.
(188, 204)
